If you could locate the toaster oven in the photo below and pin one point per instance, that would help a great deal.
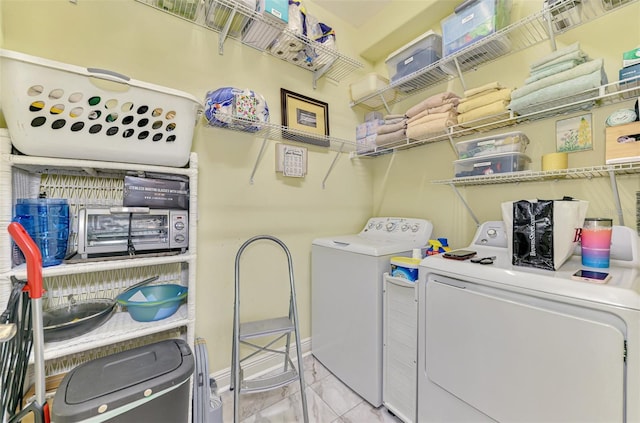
(129, 230)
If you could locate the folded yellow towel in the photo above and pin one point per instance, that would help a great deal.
(496, 108)
(431, 117)
(433, 101)
(483, 100)
(432, 128)
(440, 109)
(486, 87)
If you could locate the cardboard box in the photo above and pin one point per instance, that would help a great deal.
(630, 72)
(623, 143)
(156, 193)
(631, 57)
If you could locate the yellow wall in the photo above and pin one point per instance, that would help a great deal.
(151, 46)
(402, 181)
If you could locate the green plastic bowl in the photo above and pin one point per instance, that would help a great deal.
(162, 301)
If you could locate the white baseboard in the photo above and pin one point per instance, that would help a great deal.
(261, 364)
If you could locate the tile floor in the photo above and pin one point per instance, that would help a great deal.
(328, 401)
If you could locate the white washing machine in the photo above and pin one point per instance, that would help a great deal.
(498, 342)
(346, 298)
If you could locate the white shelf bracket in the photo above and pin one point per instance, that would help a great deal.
(464, 86)
(260, 154)
(318, 74)
(466, 205)
(222, 36)
(333, 163)
(384, 103)
(616, 196)
(552, 35)
(453, 144)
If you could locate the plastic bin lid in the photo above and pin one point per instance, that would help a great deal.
(429, 33)
(122, 378)
(495, 156)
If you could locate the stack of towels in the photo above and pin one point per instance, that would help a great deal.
(566, 75)
(432, 116)
(483, 105)
(392, 130)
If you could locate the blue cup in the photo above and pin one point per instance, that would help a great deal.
(46, 220)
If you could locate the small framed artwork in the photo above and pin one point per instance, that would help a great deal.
(306, 120)
(574, 134)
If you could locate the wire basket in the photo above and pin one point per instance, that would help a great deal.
(55, 109)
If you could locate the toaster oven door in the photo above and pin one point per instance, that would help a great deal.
(109, 232)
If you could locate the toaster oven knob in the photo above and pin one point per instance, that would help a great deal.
(179, 225)
(179, 238)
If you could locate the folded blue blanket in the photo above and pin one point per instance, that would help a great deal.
(552, 70)
(573, 90)
(543, 61)
(580, 70)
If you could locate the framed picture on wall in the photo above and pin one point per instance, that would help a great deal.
(574, 134)
(304, 119)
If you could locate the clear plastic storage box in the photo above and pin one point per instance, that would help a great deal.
(472, 21)
(488, 165)
(418, 54)
(512, 142)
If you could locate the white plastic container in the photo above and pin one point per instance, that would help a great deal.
(54, 109)
(511, 142)
(418, 54)
(371, 83)
(488, 165)
(405, 268)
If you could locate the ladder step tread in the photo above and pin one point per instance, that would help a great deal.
(265, 327)
(269, 382)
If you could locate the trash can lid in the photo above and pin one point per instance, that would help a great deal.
(122, 378)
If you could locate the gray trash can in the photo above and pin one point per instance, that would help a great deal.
(145, 384)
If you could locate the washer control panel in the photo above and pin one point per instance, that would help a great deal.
(398, 228)
(491, 234)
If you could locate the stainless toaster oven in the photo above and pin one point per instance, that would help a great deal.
(128, 230)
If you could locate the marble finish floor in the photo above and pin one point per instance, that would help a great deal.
(328, 401)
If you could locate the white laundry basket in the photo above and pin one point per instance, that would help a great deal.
(55, 109)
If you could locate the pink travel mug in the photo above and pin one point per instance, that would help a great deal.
(595, 242)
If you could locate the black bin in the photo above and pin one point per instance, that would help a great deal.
(145, 384)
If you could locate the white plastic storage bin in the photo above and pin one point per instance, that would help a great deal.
(512, 142)
(218, 14)
(472, 21)
(400, 346)
(54, 109)
(564, 13)
(488, 165)
(371, 83)
(418, 54)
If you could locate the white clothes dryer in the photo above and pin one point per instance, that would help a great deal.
(346, 298)
(505, 343)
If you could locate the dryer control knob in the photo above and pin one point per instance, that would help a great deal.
(492, 233)
(379, 226)
(404, 227)
(390, 226)
(415, 228)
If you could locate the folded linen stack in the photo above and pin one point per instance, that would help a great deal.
(562, 77)
(483, 105)
(393, 130)
(366, 135)
(432, 116)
